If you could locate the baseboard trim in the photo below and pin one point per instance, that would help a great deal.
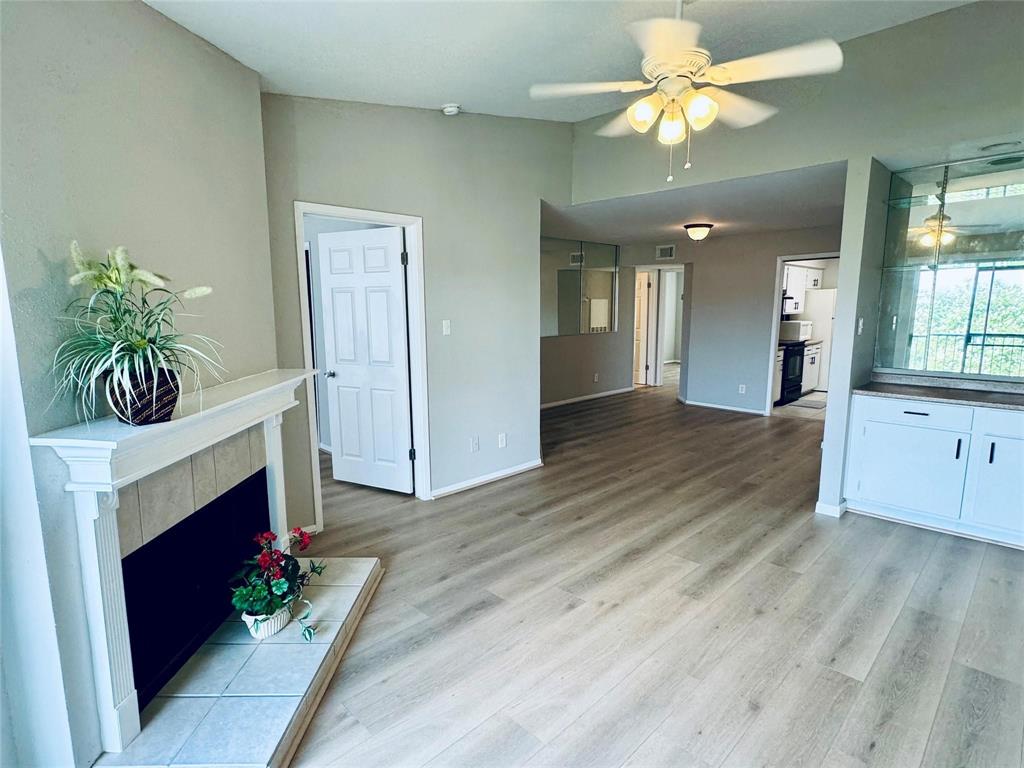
(720, 407)
(581, 398)
(501, 474)
(830, 510)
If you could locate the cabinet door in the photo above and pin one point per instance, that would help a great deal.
(813, 277)
(913, 468)
(996, 491)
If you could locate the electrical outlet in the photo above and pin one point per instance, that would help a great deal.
(595, 378)
(743, 389)
(502, 440)
(860, 325)
(474, 444)
(446, 327)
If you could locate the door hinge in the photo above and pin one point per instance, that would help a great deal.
(412, 454)
(647, 367)
(405, 258)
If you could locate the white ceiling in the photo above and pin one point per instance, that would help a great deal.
(485, 55)
(808, 197)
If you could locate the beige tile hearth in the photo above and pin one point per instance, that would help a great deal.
(244, 702)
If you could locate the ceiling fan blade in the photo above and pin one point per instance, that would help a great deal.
(561, 90)
(664, 39)
(738, 111)
(814, 58)
(618, 126)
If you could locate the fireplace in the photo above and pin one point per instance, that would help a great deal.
(127, 495)
(176, 586)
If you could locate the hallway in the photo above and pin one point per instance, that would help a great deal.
(661, 594)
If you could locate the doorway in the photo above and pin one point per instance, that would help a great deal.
(806, 290)
(661, 328)
(361, 299)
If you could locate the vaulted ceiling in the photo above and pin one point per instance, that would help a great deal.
(484, 55)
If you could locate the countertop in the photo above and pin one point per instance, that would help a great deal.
(943, 395)
(805, 342)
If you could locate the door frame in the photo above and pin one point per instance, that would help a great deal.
(780, 262)
(415, 317)
(656, 319)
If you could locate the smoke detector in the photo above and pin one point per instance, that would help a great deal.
(450, 110)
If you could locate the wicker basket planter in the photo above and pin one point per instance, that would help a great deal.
(142, 406)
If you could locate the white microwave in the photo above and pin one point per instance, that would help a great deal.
(795, 330)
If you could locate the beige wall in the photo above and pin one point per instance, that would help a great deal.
(919, 93)
(568, 363)
(731, 295)
(119, 127)
(477, 182)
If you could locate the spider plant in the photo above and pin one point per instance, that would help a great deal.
(124, 341)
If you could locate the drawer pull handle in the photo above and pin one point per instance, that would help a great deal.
(916, 413)
(959, 440)
(991, 452)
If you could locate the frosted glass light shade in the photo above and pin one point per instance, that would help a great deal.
(700, 110)
(698, 231)
(672, 129)
(642, 114)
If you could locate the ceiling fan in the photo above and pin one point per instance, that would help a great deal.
(685, 81)
(938, 228)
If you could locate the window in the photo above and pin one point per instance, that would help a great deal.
(578, 287)
(952, 298)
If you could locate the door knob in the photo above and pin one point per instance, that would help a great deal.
(329, 374)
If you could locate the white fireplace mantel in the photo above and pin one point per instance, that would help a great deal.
(105, 455)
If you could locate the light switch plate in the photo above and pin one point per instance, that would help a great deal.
(446, 327)
(502, 440)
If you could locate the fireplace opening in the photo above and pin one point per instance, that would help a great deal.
(177, 586)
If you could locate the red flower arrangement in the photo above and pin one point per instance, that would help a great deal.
(273, 580)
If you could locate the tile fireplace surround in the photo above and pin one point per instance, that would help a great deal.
(119, 474)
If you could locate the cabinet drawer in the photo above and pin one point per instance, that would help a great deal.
(918, 413)
(999, 421)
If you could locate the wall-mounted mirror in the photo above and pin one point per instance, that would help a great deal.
(578, 287)
(952, 296)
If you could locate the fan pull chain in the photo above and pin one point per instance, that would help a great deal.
(670, 177)
(688, 145)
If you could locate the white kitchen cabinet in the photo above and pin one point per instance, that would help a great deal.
(794, 287)
(813, 278)
(915, 468)
(995, 488)
(777, 378)
(812, 368)
(952, 467)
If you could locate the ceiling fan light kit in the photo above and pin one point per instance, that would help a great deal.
(684, 80)
(937, 232)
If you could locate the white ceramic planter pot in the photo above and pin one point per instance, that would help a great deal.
(262, 627)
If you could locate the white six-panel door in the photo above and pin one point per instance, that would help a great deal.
(366, 365)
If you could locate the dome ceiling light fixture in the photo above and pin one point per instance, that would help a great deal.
(698, 230)
(684, 82)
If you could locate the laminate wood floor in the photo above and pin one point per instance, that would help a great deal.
(660, 593)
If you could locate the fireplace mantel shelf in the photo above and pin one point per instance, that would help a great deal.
(106, 454)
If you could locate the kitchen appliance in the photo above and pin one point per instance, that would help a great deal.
(812, 368)
(820, 309)
(792, 371)
(795, 330)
